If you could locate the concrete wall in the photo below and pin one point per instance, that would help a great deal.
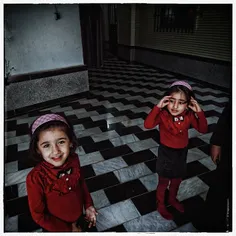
(37, 42)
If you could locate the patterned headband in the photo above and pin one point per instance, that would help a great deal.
(183, 83)
(46, 118)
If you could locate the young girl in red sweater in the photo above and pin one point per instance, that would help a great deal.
(57, 192)
(175, 113)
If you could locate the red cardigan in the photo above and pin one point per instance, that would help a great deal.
(56, 202)
(174, 130)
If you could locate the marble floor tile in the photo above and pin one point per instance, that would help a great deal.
(26, 120)
(185, 228)
(23, 146)
(116, 214)
(207, 161)
(203, 195)
(9, 134)
(86, 114)
(105, 135)
(11, 224)
(132, 172)
(212, 120)
(17, 140)
(103, 167)
(206, 137)
(133, 122)
(150, 181)
(212, 107)
(192, 133)
(154, 150)
(78, 127)
(142, 145)
(16, 177)
(22, 189)
(75, 111)
(11, 167)
(195, 154)
(126, 107)
(80, 151)
(116, 119)
(90, 158)
(130, 138)
(88, 132)
(101, 117)
(191, 187)
(152, 222)
(100, 199)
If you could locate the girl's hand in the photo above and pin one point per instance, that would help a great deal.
(75, 228)
(163, 102)
(215, 153)
(194, 105)
(91, 214)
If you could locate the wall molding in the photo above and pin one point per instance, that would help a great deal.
(43, 105)
(43, 74)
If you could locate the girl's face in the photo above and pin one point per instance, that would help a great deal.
(177, 103)
(54, 146)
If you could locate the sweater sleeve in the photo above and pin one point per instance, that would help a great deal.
(153, 118)
(199, 122)
(36, 200)
(86, 195)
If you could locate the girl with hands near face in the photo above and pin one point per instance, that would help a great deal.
(175, 113)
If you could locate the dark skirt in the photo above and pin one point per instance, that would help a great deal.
(171, 162)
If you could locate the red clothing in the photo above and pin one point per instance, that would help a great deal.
(57, 200)
(174, 130)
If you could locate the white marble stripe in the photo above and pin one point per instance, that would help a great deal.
(10, 134)
(110, 165)
(104, 136)
(11, 224)
(208, 163)
(133, 122)
(195, 154)
(17, 140)
(100, 199)
(206, 137)
(75, 111)
(87, 132)
(130, 138)
(102, 117)
(16, 177)
(150, 181)
(28, 120)
(90, 158)
(151, 222)
(116, 214)
(142, 145)
(191, 187)
(23, 146)
(11, 167)
(132, 172)
(22, 189)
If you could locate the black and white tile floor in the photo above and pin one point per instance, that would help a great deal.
(116, 152)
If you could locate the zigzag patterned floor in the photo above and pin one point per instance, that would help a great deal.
(116, 152)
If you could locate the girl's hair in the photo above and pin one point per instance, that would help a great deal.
(180, 88)
(67, 128)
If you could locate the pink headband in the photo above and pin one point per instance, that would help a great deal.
(183, 83)
(46, 118)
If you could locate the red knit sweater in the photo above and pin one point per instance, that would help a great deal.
(56, 202)
(174, 130)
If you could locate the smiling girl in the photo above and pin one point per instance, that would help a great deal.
(57, 192)
(175, 113)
